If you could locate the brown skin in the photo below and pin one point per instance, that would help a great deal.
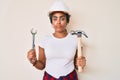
(59, 23)
(40, 64)
(79, 61)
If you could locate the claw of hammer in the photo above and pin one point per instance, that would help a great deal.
(79, 33)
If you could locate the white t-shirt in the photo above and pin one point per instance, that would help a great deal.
(59, 54)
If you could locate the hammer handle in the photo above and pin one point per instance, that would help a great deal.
(79, 53)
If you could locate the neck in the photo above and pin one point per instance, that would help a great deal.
(60, 34)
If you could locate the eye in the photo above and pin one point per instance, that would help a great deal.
(54, 19)
(63, 18)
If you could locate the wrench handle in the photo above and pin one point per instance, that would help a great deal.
(33, 41)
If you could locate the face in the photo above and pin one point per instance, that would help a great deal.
(59, 22)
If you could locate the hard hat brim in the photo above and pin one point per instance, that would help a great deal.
(51, 12)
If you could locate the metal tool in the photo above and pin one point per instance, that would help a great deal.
(79, 52)
(79, 33)
(33, 32)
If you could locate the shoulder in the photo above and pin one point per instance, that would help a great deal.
(46, 37)
(44, 40)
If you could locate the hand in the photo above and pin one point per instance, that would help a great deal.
(31, 55)
(81, 61)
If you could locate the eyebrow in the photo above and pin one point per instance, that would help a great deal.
(57, 17)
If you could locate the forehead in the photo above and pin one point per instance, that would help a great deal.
(58, 14)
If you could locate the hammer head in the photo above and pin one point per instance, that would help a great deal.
(79, 33)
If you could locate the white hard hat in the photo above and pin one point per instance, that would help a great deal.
(59, 6)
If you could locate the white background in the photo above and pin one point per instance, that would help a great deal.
(100, 19)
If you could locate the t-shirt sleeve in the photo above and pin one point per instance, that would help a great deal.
(42, 42)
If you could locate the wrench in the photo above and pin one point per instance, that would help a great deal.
(33, 32)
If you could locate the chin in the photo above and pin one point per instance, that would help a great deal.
(60, 31)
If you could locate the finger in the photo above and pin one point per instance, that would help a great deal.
(81, 61)
(32, 60)
(81, 64)
(31, 50)
(31, 55)
(81, 57)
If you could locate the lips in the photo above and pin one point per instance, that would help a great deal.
(58, 26)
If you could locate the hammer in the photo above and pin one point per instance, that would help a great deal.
(79, 51)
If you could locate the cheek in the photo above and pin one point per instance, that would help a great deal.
(53, 25)
(54, 22)
(64, 23)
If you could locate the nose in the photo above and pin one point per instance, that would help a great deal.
(58, 21)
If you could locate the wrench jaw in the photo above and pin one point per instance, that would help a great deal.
(33, 32)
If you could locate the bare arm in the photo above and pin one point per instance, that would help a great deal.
(40, 63)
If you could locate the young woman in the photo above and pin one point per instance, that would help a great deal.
(57, 51)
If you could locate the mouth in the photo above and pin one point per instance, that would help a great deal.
(58, 26)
